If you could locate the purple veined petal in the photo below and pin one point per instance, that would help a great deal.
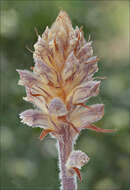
(39, 101)
(35, 84)
(83, 74)
(45, 72)
(85, 52)
(42, 51)
(80, 42)
(72, 41)
(91, 60)
(92, 69)
(82, 117)
(70, 66)
(57, 107)
(35, 118)
(41, 46)
(83, 92)
(88, 71)
(27, 78)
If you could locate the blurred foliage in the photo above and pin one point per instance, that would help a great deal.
(27, 163)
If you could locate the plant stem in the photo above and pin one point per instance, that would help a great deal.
(65, 146)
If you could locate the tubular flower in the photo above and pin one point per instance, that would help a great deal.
(61, 83)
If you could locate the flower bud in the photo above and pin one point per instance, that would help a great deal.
(57, 107)
(77, 159)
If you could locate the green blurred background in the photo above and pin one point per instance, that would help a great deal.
(27, 163)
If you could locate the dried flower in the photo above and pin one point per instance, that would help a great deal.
(59, 86)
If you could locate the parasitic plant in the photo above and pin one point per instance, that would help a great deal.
(59, 86)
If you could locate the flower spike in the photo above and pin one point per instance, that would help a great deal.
(59, 85)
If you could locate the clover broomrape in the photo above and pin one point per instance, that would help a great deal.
(59, 86)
